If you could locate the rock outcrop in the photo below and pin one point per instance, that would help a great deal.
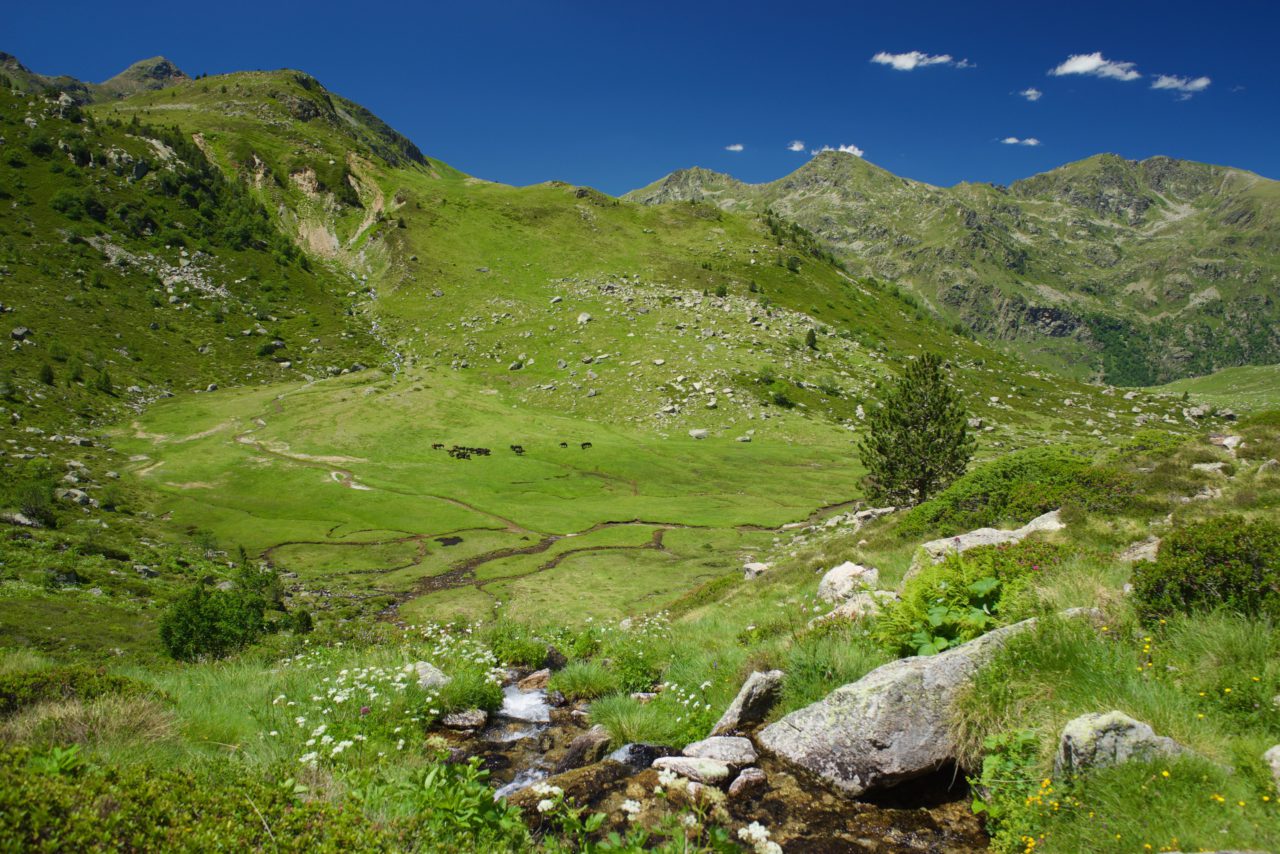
(935, 551)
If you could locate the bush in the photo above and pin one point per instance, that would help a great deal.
(1017, 487)
(1226, 562)
(212, 623)
(21, 690)
(962, 598)
(516, 644)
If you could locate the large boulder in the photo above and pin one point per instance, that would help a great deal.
(935, 551)
(755, 698)
(1101, 740)
(845, 580)
(890, 726)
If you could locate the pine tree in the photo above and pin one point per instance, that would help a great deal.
(917, 440)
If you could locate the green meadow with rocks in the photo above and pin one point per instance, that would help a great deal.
(350, 502)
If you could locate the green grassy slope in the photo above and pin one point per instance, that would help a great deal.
(1132, 271)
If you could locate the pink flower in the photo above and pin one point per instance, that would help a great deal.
(364, 710)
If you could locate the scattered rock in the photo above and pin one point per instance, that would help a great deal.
(744, 439)
(709, 771)
(699, 433)
(1209, 468)
(846, 579)
(864, 603)
(16, 518)
(430, 676)
(733, 751)
(584, 318)
(19, 333)
(755, 698)
(752, 571)
(1101, 740)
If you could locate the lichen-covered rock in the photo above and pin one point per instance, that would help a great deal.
(890, 726)
(755, 698)
(467, 719)
(845, 580)
(1101, 740)
(709, 771)
(935, 550)
(731, 750)
(749, 782)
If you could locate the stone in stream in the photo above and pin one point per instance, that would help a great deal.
(639, 756)
(748, 782)
(755, 698)
(535, 680)
(892, 725)
(587, 749)
(1102, 740)
(734, 751)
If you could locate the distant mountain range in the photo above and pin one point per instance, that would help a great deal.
(147, 74)
(1130, 271)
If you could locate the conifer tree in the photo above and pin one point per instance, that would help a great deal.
(917, 440)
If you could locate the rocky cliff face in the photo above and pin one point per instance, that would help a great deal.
(1132, 270)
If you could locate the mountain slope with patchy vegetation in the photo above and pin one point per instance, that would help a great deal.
(1136, 272)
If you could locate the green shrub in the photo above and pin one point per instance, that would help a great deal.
(470, 688)
(1017, 487)
(23, 689)
(212, 623)
(1226, 562)
(962, 598)
(516, 644)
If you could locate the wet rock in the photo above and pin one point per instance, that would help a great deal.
(468, 719)
(754, 700)
(709, 771)
(1102, 740)
(846, 579)
(731, 750)
(587, 749)
(748, 783)
(640, 756)
(584, 785)
(430, 676)
(535, 681)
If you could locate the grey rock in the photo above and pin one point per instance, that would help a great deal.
(846, 579)
(640, 756)
(467, 719)
(430, 676)
(1146, 550)
(752, 571)
(1272, 758)
(1101, 740)
(890, 726)
(936, 550)
(709, 771)
(754, 700)
(19, 333)
(864, 603)
(731, 750)
(699, 433)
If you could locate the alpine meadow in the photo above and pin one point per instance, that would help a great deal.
(351, 502)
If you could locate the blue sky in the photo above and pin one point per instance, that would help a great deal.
(615, 96)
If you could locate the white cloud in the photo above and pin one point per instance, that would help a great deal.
(914, 59)
(1186, 85)
(1032, 94)
(847, 149)
(1096, 65)
(795, 145)
(737, 146)
(1013, 140)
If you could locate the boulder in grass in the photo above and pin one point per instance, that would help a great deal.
(1102, 740)
(755, 698)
